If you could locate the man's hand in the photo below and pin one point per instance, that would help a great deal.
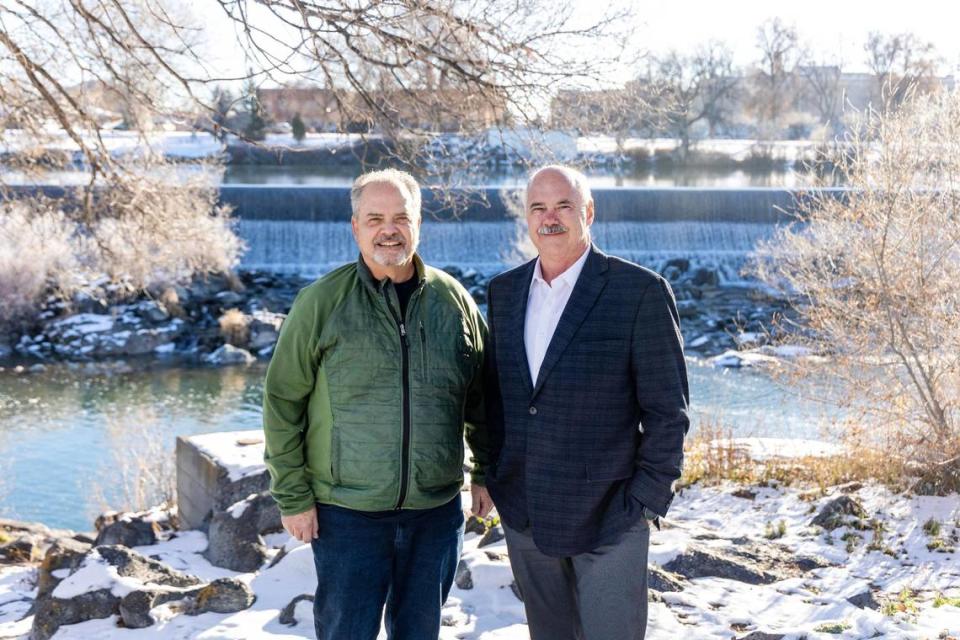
(482, 503)
(302, 526)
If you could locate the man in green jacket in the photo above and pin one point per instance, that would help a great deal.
(374, 380)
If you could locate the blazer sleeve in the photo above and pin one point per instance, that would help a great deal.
(660, 376)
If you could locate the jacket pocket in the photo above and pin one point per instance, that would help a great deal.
(598, 473)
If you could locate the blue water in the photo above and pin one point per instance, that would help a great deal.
(67, 436)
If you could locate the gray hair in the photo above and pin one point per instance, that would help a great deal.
(576, 178)
(403, 181)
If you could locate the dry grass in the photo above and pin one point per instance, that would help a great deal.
(235, 327)
(141, 472)
(713, 456)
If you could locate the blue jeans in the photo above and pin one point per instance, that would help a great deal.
(405, 560)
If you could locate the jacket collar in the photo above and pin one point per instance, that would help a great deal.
(363, 271)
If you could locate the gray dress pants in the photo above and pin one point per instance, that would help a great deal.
(598, 595)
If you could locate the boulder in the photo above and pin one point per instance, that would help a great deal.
(745, 561)
(235, 534)
(129, 532)
(230, 355)
(114, 580)
(838, 512)
(494, 534)
(264, 329)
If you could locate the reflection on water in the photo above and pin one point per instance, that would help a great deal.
(342, 176)
(67, 436)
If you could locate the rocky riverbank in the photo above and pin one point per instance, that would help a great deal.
(731, 561)
(224, 320)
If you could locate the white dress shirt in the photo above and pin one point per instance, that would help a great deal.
(545, 305)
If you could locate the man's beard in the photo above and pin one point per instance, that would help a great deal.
(394, 256)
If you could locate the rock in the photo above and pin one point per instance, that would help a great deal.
(145, 584)
(234, 535)
(63, 554)
(745, 493)
(475, 525)
(152, 311)
(838, 511)
(661, 580)
(37, 368)
(762, 635)
(463, 579)
(264, 329)
(672, 273)
(224, 595)
(864, 600)
(51, 613)
(680, 264)
(228, 299)
(230, 355)
(494, 534)
(22, 549)
(129, 533)
(287, 615)
(750, 562)
(688, 308)
(516, 590)
(703, 277)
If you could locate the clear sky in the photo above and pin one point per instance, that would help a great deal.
(828, 27)
(834, 26)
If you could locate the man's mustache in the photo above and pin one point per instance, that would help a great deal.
(551, 229)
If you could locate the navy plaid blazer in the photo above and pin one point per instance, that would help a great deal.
(600, 435)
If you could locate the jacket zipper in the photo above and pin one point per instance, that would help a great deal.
(423, 353)
(405, 366)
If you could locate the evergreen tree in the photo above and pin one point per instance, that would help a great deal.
(297, 127)
(256, 122)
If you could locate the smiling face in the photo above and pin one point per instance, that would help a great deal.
(386, 229)
(558, 219)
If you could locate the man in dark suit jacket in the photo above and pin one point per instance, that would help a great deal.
(587, 402)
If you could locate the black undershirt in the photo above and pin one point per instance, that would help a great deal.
(404, 291)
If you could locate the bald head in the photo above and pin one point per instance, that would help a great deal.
(573, 177)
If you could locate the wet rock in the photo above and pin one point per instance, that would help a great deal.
(680, 264)
(704, 277)
(264, 329)
(230, 355)
(839, 512)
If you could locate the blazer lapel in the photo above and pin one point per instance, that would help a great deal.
(518, 316)
(589, 285)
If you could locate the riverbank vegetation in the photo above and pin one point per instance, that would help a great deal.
(874, 280)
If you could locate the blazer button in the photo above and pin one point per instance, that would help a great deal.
(533, 411)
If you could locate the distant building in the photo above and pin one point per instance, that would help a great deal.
(326, 110)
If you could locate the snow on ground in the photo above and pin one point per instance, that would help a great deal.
(180, 144)
(811, 606)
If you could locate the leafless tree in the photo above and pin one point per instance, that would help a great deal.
(902, 64)
(823, 87)
(874, 277)
(692, 88)
(779, 49)
(398, 66)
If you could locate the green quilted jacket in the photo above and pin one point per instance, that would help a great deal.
(367, 410)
